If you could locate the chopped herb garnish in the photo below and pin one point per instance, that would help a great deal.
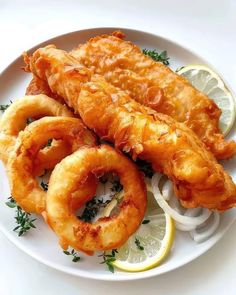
(162, 57)
(145, 167)
(117, 186)
(3, 107)
(138, 244)
(178, 69)
(74, 254)
(44, 185)
(145, 221)
(23, 220)
(108, 259)
(91, 209)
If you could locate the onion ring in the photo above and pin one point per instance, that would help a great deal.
(14, 120)
(107, 232)
(25, 188)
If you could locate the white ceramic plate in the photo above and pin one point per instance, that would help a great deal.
(41, 243)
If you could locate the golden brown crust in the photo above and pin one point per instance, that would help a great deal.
(15, 118)
(124, 65)
(106, 233)
(38, 86)
(21, 165)
(171, 147)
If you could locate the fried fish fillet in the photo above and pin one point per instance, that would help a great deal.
(171, 147)
(155, 85)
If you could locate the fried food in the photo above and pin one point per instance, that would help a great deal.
(38, 86)
(108, 232)
(24, 186)
(14, 120)
(155, 85)
(171, 147)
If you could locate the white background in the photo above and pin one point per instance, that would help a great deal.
(206, 26)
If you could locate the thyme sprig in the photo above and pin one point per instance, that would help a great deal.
(161, 57)
(108, 259)
(23, 219)
(91, 209)
(74, 254)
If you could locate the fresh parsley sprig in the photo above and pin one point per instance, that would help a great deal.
(108, 259)
(74, 254)
(23, 219)
(161, 57)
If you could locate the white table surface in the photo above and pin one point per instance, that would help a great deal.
(206, 26)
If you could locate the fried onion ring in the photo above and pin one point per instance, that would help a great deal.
(69, 176)
(15, 119)
(24, 187)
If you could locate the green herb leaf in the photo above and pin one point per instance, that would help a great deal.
(74, 254)
(23, 219)
(91, 209)
(66, 252)
(145, 221)
(138, 244)
(76, 259)
(108, 259)
(162, 57)
(3, 107)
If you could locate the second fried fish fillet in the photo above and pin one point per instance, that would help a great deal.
(171, 147)
(155, 85)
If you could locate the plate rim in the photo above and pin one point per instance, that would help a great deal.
(80, 272)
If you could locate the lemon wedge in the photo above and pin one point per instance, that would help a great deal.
(210, 83)
(150, 244)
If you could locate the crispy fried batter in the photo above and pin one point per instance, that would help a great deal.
(108, 232)
(171, 147)
(38, 86)
(157, 86)
(15, 119)
(24, 186)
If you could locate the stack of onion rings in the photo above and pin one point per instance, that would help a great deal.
(15, 119)
(74, 180)
(20, 167)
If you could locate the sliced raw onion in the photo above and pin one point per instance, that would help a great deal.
(208, 230)
(167, 190)
(173, 213)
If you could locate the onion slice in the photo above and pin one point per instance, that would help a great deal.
(208, 230)
(186, 220)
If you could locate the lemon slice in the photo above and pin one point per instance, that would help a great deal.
(210, 83)
(150, 244)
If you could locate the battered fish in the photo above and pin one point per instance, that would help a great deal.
(155, 85)
(171, 147)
